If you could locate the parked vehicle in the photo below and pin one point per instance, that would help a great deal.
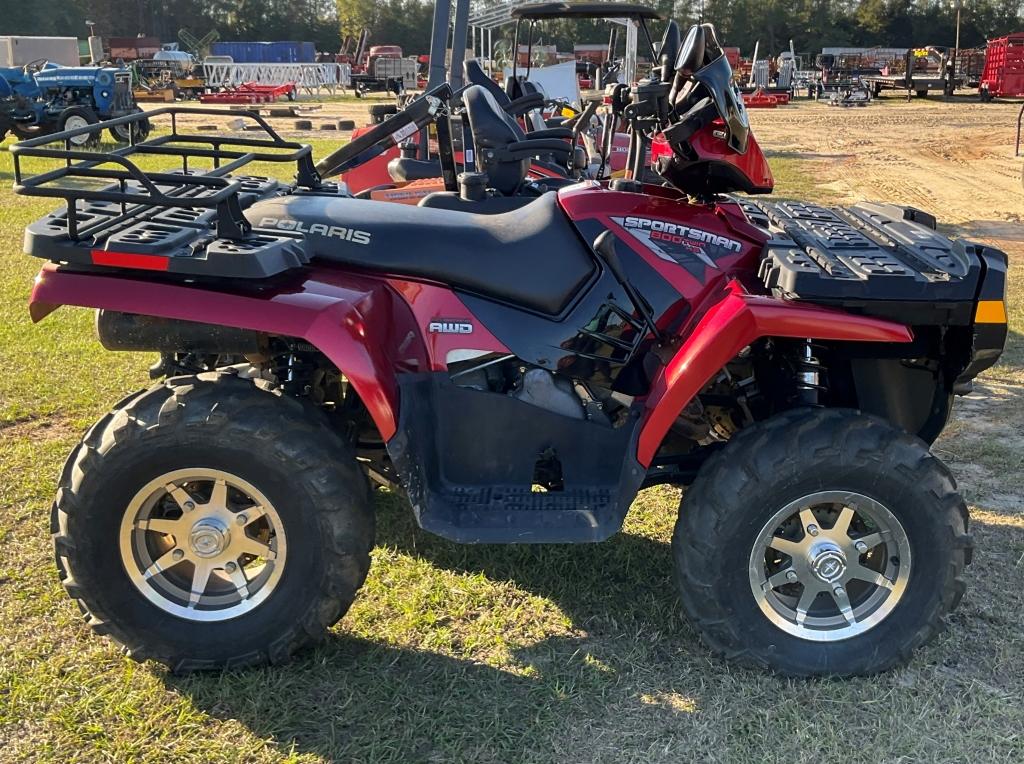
(1003, 75)
(42, 98)
(606, 146)
(19, 50)
(521, 376)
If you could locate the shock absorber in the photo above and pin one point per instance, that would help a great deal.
(810, 374)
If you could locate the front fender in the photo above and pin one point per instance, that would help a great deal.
(731, 325)
(351, 320)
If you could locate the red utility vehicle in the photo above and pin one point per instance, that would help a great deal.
(521, 366)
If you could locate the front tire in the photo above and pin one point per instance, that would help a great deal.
(75, 117)
(209, 523)
(821, 542)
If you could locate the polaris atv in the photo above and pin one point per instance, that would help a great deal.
(521, 376)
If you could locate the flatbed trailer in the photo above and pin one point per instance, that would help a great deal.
(920, 84)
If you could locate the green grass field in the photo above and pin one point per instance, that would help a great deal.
(480, 654)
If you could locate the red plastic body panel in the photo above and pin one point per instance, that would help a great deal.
(430, 303)
(357, 321)
(593, 201)
(371, 328)
(731, 324)
(372, 173)
(619, 155)
(710, 148)
(722, 314)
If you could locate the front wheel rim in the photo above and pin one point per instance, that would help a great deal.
(830, 566)
(203, 544)
(73, 123)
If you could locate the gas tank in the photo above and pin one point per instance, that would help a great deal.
(695, 248)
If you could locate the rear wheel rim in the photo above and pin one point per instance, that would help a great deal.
(830, 566)
(203, 544)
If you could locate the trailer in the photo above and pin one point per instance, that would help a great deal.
(19, 50)
(921, 86)
(258, 52)
(1003, 76)
(385, 70)
(921, 71)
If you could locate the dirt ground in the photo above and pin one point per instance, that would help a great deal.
(319, 112)
(954, 160)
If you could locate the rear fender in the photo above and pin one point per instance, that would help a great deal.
(731, 325)
(351, 320)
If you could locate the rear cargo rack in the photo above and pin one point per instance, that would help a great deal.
(134, 191)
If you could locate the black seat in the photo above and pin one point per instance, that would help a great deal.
(495, 133)
(475, 75)
(531, 256)
(494, 130)
(504, 150)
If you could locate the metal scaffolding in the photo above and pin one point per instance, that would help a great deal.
(487, 18)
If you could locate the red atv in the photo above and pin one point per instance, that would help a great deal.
(522, 375)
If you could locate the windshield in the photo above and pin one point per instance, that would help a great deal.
(716, 77)
(703, 61)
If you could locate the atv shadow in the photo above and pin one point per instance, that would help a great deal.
(625, 582)
(359, 700)
(624, 650)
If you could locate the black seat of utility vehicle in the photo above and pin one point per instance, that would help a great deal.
(531, 256)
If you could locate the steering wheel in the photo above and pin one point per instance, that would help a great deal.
(391, 132)
(34, 66)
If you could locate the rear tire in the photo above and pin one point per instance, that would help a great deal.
(138, 131)
(906, 521)
(282, 554)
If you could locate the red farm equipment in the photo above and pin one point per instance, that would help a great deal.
(1003, 76)
(252, 93)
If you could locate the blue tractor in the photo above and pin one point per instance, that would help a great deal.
(41, 98)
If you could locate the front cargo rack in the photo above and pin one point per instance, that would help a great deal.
(184, 219)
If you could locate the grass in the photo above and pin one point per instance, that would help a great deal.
(479, 654)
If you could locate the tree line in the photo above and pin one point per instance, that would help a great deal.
(810, 24)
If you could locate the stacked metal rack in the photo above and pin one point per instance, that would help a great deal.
(187, 219)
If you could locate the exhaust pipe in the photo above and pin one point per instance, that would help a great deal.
(133, 332)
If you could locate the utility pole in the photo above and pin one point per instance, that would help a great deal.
(956, 46)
